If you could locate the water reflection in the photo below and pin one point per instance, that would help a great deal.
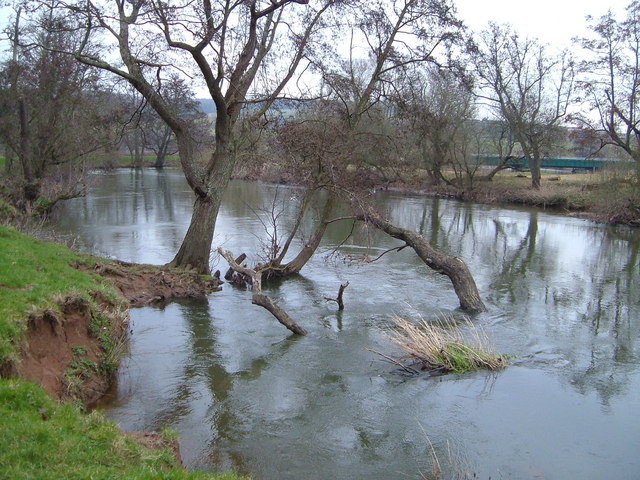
(563, 298)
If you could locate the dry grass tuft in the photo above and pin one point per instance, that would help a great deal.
(441, 346)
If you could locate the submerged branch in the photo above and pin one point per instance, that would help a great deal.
(259, 298)
(338, 299)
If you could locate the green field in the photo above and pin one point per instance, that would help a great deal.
(119, 160)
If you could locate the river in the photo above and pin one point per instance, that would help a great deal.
(563, 298)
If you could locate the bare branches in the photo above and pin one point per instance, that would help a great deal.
(611, 80)
(526, 86)
(258, 298)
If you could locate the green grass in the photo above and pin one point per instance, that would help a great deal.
(444, 346)
(2, 162)
(44, 440)
(32, 275)
(39, 438)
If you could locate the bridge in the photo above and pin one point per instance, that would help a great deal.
(520, 163)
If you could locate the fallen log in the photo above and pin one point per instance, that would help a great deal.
(259, 298)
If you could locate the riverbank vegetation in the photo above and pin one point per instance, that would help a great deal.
(42, 439)
(62, 326)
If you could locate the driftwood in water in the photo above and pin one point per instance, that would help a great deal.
(259, 298)
(338, 299)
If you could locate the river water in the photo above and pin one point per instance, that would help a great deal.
(563, 298)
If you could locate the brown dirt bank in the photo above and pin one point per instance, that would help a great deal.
(73, 352)
(149, 284)
(65, 352)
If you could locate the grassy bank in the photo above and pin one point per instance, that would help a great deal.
(610, 196)
(33, 276)
(45, 440)
(41, 438)
(607, 196)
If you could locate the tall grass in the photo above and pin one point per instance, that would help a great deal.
(443, 346)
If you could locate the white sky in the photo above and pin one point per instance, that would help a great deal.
(552, 21)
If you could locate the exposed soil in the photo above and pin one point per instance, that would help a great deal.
(64, 355)
(148, 284)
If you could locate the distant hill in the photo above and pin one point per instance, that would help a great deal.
(207, 106)
(287, 107)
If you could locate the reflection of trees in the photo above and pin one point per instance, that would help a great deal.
(204, 371)
(584, 308)
(516, 262)
(610, 316)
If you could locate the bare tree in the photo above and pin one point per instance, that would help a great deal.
(436, 109)
(357, 90)
(159, 137)
(496, 139)
(226, 44)
(54, 111)
(610, 81)
(527, 86)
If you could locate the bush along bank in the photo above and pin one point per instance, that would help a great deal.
(62, 330)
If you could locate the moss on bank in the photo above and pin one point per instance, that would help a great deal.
(40, 290)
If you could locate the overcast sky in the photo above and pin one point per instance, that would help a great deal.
(552, 21)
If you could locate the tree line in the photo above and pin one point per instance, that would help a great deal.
(377, 86)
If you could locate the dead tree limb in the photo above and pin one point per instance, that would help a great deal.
(394, 249)
(338, 299)
(229, 275)
(259, 298)
(453, 267)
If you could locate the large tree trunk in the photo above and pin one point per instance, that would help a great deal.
(453, 267)
(534, 165)
(196, 246)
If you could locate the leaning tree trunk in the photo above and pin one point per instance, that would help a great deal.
(453, 267)
(275, 268)
(294, 266)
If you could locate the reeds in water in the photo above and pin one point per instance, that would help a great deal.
(445, 346)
